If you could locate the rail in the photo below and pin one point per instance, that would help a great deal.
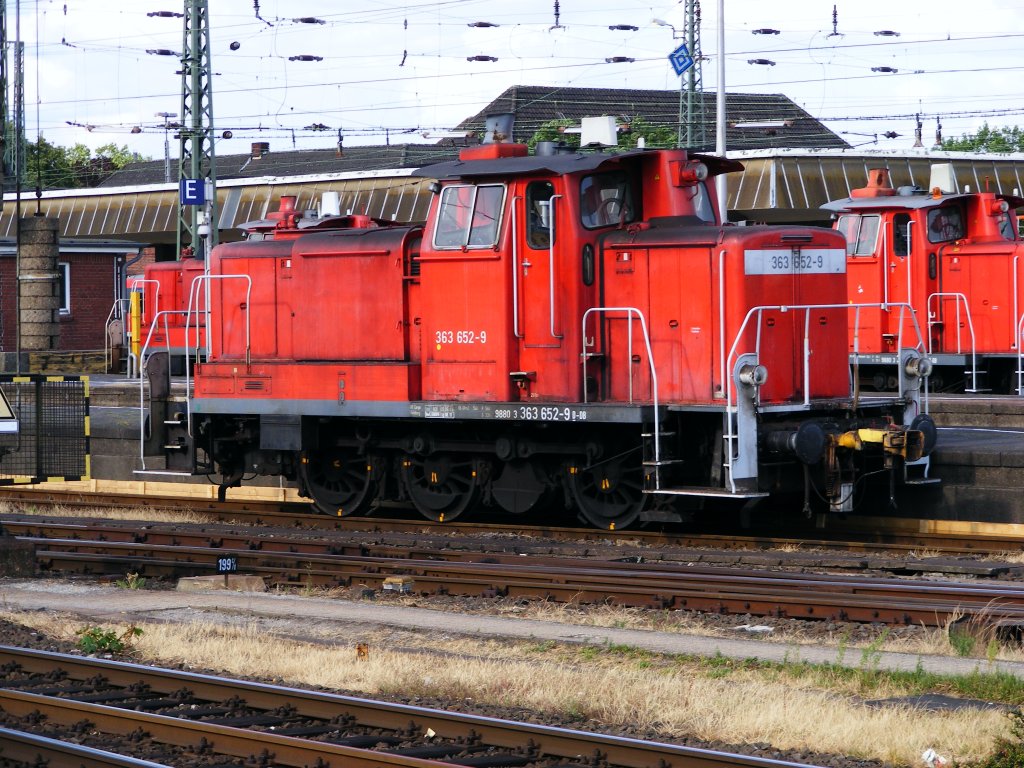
(584, 356)
(933, 321)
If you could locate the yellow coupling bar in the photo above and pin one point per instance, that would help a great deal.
(906, 443)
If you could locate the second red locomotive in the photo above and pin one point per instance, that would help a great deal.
(566, 330)
(957, 259)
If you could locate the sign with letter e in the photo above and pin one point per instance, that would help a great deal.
(192, 191)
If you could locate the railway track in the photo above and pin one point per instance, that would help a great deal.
(895, 537)
(183, 719)
(663, 585)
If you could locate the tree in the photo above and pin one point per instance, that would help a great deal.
(54, 167)
(654, 136)
(1005, 139)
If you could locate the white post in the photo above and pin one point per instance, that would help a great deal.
(720, 185)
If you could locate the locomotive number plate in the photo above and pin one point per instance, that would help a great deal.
(802, 261)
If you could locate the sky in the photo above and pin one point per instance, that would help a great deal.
(399, 71)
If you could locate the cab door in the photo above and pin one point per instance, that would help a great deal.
(540, 302)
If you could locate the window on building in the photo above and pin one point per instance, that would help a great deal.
(64, 286)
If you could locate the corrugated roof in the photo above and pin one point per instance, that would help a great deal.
(791, 126)
(280, 162)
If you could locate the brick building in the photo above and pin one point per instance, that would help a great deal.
(91, 277)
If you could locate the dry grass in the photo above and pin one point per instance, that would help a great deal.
(148, 514)
(666, 697)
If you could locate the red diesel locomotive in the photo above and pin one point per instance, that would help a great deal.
(956, 258)
(565, 331)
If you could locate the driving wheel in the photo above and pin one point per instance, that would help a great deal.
(340, 482)
(609, 494)
(441, 486)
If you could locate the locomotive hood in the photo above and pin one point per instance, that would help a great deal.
(559, 164)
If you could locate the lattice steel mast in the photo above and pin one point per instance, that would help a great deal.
(694, 115)
(196, 152)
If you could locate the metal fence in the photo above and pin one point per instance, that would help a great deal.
(52, 438)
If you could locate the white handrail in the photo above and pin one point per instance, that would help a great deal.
(630, 312)
(958, 298)
(732, 406)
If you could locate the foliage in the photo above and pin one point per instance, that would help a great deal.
(131, 581)
(654, 136)
(54, 167)
(986, 139)
(95, 639)
(1008, 752)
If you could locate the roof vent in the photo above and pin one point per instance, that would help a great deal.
(598, 132)
(259, 149)
(498, 128)
(943, 179)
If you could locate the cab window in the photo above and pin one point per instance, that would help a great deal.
(861, 233)
(945, 224)
(900, 234)
(468, 216)
(538, 214)
(606, 199)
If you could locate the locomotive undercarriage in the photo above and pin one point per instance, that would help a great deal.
(602, 470)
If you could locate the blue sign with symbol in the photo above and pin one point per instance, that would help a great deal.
(192, 191)
(681, 59)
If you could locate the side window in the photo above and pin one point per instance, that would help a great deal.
(945, 224)
(861, 233)
(538, 214)
(606, 199)
(64, 286)
(468, 216)
(702, 203)
(900, 238)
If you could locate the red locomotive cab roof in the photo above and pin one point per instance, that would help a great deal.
(517, 164)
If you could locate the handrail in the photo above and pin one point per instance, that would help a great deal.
(142, 381)
(551, 263)
(197, 283)
(630, 312)
(1020, 356)
(515, 266)
(757, 312)
(958, 297)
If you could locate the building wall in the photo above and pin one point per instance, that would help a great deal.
(92, 295)
(92, 283)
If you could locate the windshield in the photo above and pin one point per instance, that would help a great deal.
(861, 233)
(606, 199)
(468, 216)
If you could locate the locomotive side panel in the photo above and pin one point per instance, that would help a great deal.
(979, 280)
(247, 299)
(465, 327)
(347, 296)
(670, 286)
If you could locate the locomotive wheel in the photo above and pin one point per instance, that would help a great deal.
(441, 486)
(341, 483)
(609, 494)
